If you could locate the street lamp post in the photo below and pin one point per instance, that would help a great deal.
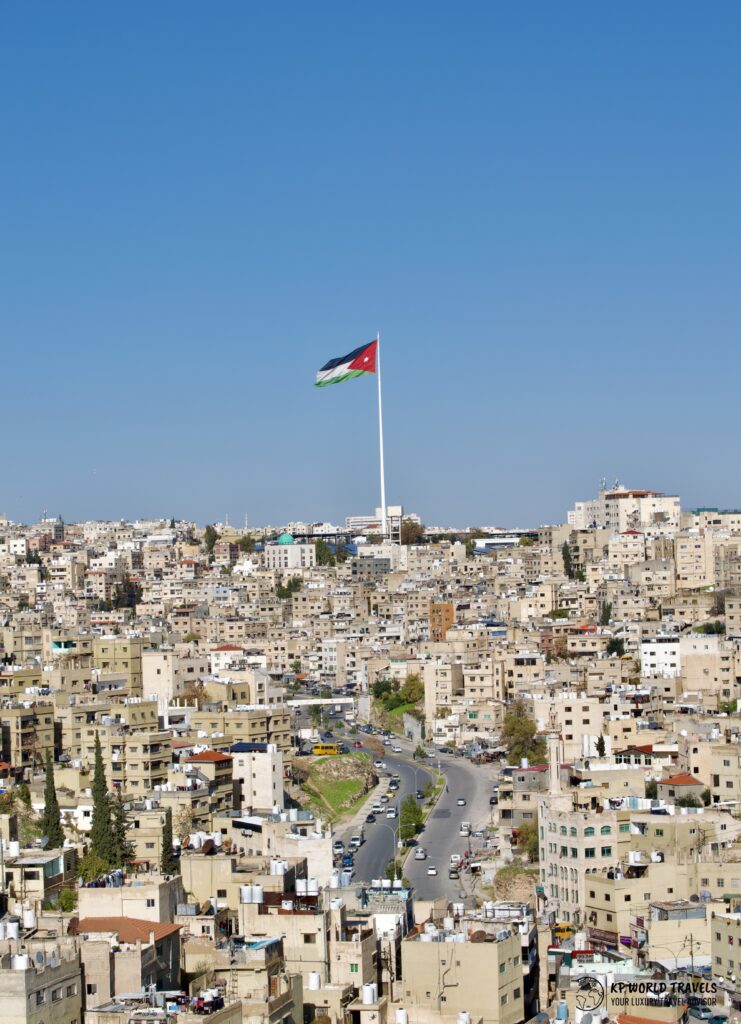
(392, 830)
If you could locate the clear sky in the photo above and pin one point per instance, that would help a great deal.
(537, 205)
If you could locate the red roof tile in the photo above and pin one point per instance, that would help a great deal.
(128, 929)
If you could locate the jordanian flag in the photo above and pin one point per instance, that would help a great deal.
(356, 364)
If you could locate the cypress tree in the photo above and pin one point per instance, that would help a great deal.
(122, 847)
(50, 823)
(168, 865)
(101, 837)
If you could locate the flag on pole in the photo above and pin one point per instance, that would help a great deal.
(356, 364)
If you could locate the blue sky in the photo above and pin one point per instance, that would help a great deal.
(536, 204)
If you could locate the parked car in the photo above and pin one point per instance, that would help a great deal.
(701, 1012)
(338, 846)
(420, 854)
(358, 745)
(455, 859)
(432, 870)
(493, 801)
(454, 873)
(718, 1018)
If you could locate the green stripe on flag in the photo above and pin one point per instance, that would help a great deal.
(342, 376)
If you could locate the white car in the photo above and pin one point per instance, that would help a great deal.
(396, 750)
(381, 765)
(338, 846)
(420, 854)
(461, 801)
(432, 870)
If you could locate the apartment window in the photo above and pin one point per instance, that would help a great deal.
(150, 903)
(56, 995)
(221, 893)
(625, 826)
(516, 994)
(605, 830)
(40, 997)
(607, 851)
(590, 852)
(309, 939)
(71, 990)
(91, 988)
(589, 831)
(503, 1000)
(501, 968)
(353, 968)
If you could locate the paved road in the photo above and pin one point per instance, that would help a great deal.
(440, 838)
(381, 837)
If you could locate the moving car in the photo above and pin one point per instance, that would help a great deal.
(419, 794)
(420, 854)
(432, 870)
(385, 798)
(370, 818)
(377, 808)
(396, 750)
(379, 764)
(355, 842)
(461, 801)
(390, 812)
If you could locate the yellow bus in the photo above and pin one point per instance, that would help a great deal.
(325, 748)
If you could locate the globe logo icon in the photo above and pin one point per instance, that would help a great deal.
(590, 994)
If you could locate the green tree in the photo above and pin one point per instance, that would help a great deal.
(168, 863)
(519, 735)
(315, 714)
(393, 869)
(528, 839)
(411, 532)
(292, 587)
(616, 646)
(50, 823)
(651, 789)
(419, 753)
(127, 594)
(123, 847)
(568, 565)
(324, 554)
(707, 797)
(101, 837)
(247, 544)
(67, 900)
(411, 818)
(92, 866)
(690, 800)
(210, 536)
(605, 614)
(600, 746)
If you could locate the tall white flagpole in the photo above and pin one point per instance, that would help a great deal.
(380, 437)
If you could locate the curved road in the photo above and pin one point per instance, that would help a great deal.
(440, 836)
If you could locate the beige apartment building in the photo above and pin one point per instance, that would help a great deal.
(120, 656)
(135, 761)
(41, 986)
(482, 978)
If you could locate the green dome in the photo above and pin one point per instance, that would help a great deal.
(285, 538)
